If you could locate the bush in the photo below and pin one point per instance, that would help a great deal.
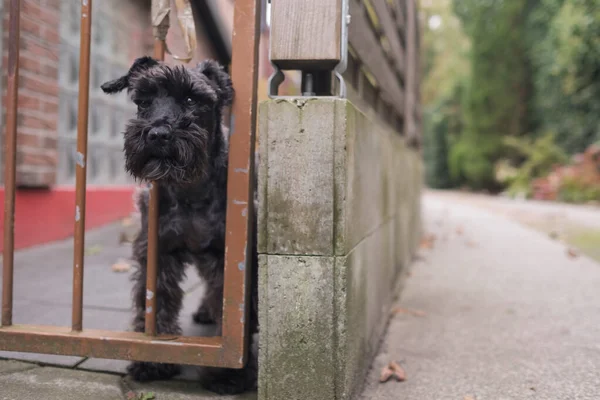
(578, 182)
(539, 156)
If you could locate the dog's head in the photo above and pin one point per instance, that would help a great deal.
(177, 130)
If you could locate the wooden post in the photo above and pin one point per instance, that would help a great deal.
(306, 35)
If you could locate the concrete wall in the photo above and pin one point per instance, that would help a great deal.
(338, 223)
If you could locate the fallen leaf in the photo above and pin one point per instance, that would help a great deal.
(393, 369)
(399, 372)
(386, 374)
(400, 310)
(459, 230)
(121, 266)
(147, 396)
(427, 241)
(572, 253)
(131, 395)
(93, 250)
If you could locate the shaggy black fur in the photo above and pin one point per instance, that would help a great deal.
(178, 140)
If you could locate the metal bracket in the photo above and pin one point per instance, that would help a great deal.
(277, 78)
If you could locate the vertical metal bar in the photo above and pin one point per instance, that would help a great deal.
(10, 153)
(152, 264)
(240, 212)
(81, 159)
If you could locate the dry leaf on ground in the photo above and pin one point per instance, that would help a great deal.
(400, 310)
(427, 241)
(121, 266)
(393, 369)
(572, 253)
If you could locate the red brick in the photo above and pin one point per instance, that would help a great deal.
(26, 101)
(30, 26)
(29, 63)
(29, 140)
(30, 158)
(49, 16)
(37, 85)
(30, 8)
(38, 50)
(39, 177)
(50, 71)
(51, 34)
(30, 121)
(49, 107)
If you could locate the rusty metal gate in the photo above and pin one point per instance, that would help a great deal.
(227, 350)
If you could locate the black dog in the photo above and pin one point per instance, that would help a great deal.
(178, 140)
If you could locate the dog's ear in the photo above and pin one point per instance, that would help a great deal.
(139, 65)
(217, 75)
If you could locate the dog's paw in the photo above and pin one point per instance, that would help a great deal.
(229, 382)
(146, 371)
(202, 317)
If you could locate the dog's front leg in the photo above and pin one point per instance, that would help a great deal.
(169, 297)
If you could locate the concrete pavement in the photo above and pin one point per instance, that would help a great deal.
(492, 311)
(42, 295)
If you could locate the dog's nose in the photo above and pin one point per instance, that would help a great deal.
(159, 135)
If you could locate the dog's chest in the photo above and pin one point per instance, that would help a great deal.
(199, 221)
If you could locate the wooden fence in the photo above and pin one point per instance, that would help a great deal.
(383, 62)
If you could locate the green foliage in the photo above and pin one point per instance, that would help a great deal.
(540, 156)
(565, 51)
(471, 162)
(509, 69)
(436, 150)
(575, 191)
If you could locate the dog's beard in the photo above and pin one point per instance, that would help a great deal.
(184, 160)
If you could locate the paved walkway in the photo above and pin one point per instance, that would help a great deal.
(42, 295)
(493, 310)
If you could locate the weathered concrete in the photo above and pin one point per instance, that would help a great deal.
(25, 381)
(179, 390)
(300, 341)
(338, 196)
(57, 383)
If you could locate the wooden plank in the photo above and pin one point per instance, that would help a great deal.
(306, 34)
(400, 15)
(410, 126)
(369, 50)
(390, 30)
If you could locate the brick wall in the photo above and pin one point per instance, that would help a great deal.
(38, 90)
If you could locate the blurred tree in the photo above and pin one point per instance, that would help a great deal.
(498, 91)
(564, 38)
(506, 68)
(445, 66)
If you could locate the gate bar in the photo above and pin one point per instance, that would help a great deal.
(10, 152)
(240, 190)
(81, 159)
(152, 256)
(207, 351)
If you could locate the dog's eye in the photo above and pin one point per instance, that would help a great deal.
(189, 101)
(143, 103)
